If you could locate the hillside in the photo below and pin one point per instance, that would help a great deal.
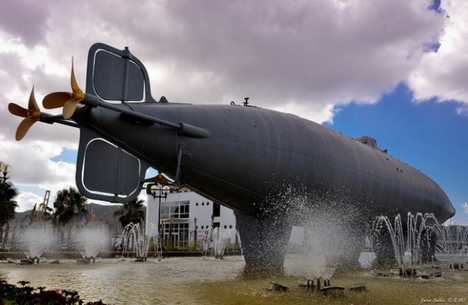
(97, 212)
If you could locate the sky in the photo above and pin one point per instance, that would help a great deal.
(396, 70)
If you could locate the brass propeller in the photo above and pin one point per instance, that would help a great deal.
(67, 100)
(30, 115)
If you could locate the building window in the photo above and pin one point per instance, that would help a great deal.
(176, 209)
(196, 203)
(216, 210)
(176, 234)
(225, 227)
(207, 203)
(202, 203)
(230, 226)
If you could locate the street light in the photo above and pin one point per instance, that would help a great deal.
(158, 187)
(160, 192)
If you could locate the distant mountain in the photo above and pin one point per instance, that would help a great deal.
(97, 212)
(102, 212)
(22, 217)
(105, 213)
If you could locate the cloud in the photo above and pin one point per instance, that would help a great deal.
(465, 207)
(444, 74)
(310, 54)
(32, 165)
(462, 110)
(304, 57)
(27, 200)
(25, 19)
(317, 113)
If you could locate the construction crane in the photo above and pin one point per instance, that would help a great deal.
(41, 210)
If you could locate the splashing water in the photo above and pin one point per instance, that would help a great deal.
(219, 243)
(330, 240)
(37, 239)
(133, 240)
(421, 230)
(331, 236)
(454, 244)
(456, 239)
(92, 239)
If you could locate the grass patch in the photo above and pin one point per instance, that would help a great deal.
(453, 289)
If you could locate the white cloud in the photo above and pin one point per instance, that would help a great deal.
(32, 166)
(310, 54)
(322, 114)
(27, 200)
(444, 74)
(24, 18)
(304, 57)
(465, 207)
(462, 110)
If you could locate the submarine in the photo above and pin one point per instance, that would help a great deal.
(241, 156)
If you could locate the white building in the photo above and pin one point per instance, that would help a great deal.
(186, 216)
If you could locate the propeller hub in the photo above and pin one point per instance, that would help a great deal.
(30, 115)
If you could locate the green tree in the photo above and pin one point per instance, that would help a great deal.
(132, 211)
(69, 204)
(7, 203)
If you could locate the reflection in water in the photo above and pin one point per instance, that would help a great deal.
(118, 281)
(126, 282)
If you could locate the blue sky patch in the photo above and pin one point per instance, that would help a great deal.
(430, 136)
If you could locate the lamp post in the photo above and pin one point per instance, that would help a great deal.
(158, 188)
(160, 192)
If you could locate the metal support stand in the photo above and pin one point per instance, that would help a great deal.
(179, 166)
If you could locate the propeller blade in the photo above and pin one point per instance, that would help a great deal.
(23, 128)
(32, 104)
(68, 101)
(77, 92)
(69, 108)
(30, 115)
(56, 100)
(17, 110)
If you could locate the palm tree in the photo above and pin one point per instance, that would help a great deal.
(68, 205)
(7, 205)
(132, 211)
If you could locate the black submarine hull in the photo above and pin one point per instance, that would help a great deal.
(253, 156)
(253, 152)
